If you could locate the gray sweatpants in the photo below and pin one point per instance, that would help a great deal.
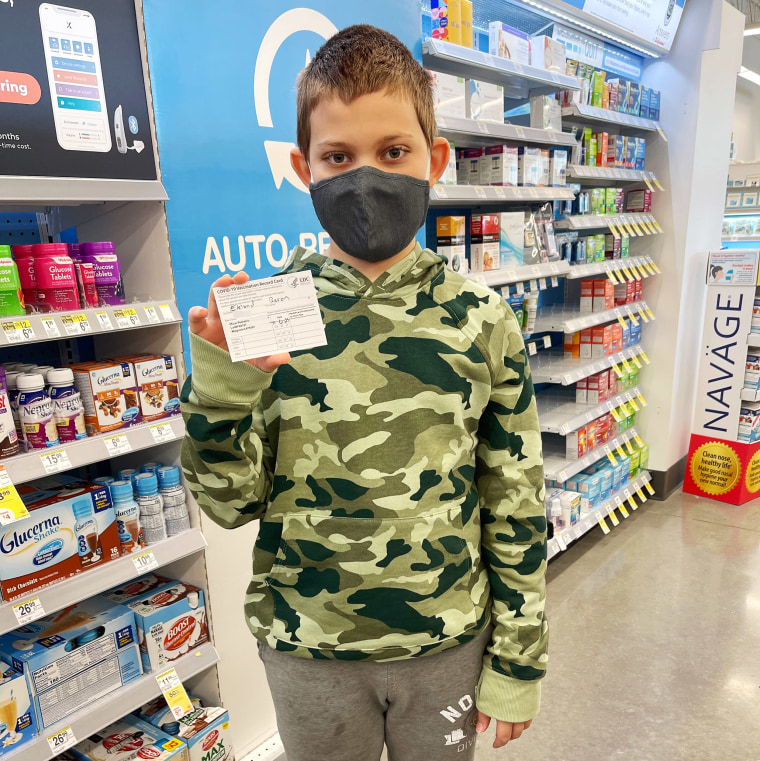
(422, 708)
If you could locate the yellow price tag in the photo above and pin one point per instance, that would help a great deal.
(629, 447)
(649, 488)
(621, 320)
(628, 275)
(611, 458)
(634, 405)
(620, 451)
(633, 318)
(174, 692)
(614, 518)
(649, 268)
(638, 229)
(616, 415)
(603, 524)
(643, 401)
(650, 313)
(644, 356)
(642, 272)
(626, 366)
(631, 232)
(611, 276)
(658, 183)
(661, 133)
(623, 511)
(617, 370)
(648, 183)
(635, 272)
(654, 266)
(614, 231)
(624, 408)
(643, 315)
(12, 507)
(638, 440)
(632, 503)
(640, 494)
(657, 226)
(636, 362)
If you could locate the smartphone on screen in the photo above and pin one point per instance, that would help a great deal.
(72, 58)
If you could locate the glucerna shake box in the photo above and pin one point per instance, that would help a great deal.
(17, 719)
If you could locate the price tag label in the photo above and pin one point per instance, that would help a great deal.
(499, 191)
(18, 331)
(626, 366)
(533, 285)
(614, 518)
(610, 456)
(611, 276)
(649, 185)
(532, 350)
(627, 273)
(661, 133)
(542, 284)
(632, 503)
(555, 282)
(634, 405)
(640, 494)
(482, 127)
(75, 324)
(617, 370)
(649, 312)
(519, 289)
(480, 192)
(649, 488)
(659, 186)
(145, 562)
(116, 445)
(657, 225)
(643, 315)
(561, 542)
(51, 329)
(633, 317)
(55, 461)
(62, 740)
(11, 507)
(644, 356)
(162, 432)
(635, 272)
(623, 511)
(126, 318)
(28, 611)
(439, 190)
(637, 439)
(174, 692)
(642, 401)
(615, 232)
(603, 524)
(615, 414)
(547, 342)
(166, 312)
(620, 451)
(622, 321)
(104, 320)
(636, 362)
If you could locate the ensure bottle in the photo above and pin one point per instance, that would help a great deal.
(68, 410)
(131, 535)
(36, 412)
(86, 529)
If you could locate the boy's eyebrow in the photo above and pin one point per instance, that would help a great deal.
(340, 145)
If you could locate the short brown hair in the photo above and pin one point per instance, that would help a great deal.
(356, 61)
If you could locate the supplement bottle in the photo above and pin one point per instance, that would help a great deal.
(127, 512)
(68, 410)
(151, 507)
(36, 412)
(56, 277)
(86, 529)
(24, 259)
(108, 279)
(10, 381)
(104, 481)
(150, 467)
(85, 271)
(11, 295)
(173, 494)
(9, 443)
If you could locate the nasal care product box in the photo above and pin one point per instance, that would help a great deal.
(549, 54)
(484, 242)
(529, 169)
(511, 238)
(558, 170)
(449, 98)
(469, 167)
(450, 242)
(171, 621)
(129, 739)
(506, 42)
(486, 101)
(499, 165)
(545, 113)
(206, 731)
(17, 719)
(75, 656)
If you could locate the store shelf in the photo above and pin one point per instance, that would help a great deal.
(570, 320)
(579, 271)
(30, 465)
(519, 81)
(753, 339)
(609, 173)
(466, 132)
(64, 191)
(97, 580)
(562, 415)
(556, 368)
(495, 278)
(467, 195)
(592, 518)
(741, 239)
(739, 211)
(602, 221)
(558, 468)
(750, 395)
(32, 328)
(582, 113)
(100, 713)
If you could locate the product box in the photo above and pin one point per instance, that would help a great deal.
(610, 200)
(131, 739)
(654, 105)
(511, 239)
(545, 113)
(499, 165)
(469, 167)
(586, 343)
(604, 295)
(506, 42)
(611, 247)
(486, 101)
(529, 171)
(549, 54)
(638, 288)
(641, 153)
(617, 338)
(17, 718)
(634, 98)
(517, 305)
(624, 293)
(575, 444)
(587, 297)
(467, 23)
(601, 341)
(558, 170)
(616, 145)
(639, 201)
(158, 713)
(73, 657)
(450, 242)
(644, 101)
(170, 620)
(207, 735)
(484, 242)
(581, 391)
(597, 88)
(602, 146)
(109, 402)
(449, 95)
(446, 17)
(52, 544)
(752, 372)
(150, 373)
(572, 345)
(598, 388)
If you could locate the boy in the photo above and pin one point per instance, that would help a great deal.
(396, 471)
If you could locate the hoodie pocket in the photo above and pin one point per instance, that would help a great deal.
(370, 584)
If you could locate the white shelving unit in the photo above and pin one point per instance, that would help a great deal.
(519, 81)
(466, 132)
(562, 415)
(99, 579)
(562, 539)
(570, 320)
(603, 221)
(753, 339)
(112, 707)
(742, 211)
(580, 271)
(750, 395)
(496, 278)
(559, 468)
(555, 368)
(626, 122)
(467, 195)
(609, 174)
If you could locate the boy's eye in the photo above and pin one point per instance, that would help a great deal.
(337, 158)
(395, 153)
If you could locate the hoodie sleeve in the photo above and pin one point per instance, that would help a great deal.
(226, 457)
(510, 482)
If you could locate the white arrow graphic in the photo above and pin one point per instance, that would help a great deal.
(290, 22)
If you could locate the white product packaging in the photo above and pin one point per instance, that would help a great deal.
(485, 101)
(499, 165)
(529, 166)
(449, 95)
(549, 54)
(17, 719)
(450, 175)
(545, 113)
(511, 238)
(505, 41)
(558, 173)
(207, 734)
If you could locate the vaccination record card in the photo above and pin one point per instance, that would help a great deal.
(270, 316)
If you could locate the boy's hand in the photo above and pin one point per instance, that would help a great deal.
(207, 324)
(505, 730)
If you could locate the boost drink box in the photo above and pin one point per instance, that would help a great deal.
(171, 621)
(129, 739)
(75, 656)
(158, 713)
(17, 720)
(206, 732)
(53, 543)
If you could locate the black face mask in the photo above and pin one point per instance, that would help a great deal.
(371, 214)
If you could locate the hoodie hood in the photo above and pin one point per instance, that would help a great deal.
(403, 279)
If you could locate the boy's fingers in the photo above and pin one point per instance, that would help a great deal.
(196, 319)
(240, 278)
(223, 282)
(271, 363)
(517, 730)
(503, 734)
(483, 722)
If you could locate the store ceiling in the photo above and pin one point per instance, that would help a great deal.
(750, 8)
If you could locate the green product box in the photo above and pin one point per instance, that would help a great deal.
(597, 89)
(624, 241)
(610, 199)
(635, 463)
(591, 249)
(633, 379)
(644, 457)
(600, 247)
(597, 201)
(11, 297)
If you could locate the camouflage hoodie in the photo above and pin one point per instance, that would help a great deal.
(397, 474)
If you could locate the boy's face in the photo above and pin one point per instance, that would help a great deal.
(379, 130)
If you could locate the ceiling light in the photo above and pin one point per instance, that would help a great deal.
(751, 29)
(749, 75)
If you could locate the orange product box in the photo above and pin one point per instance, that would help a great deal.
(604, 295)
(573, 344)
(587, 296)
(109, 396)
(581, 391)
(586, 343)
(638, 287)
(591, 435)
(576, 444)
(617, 337)
(597, 388)
(151, 372)
(602, 146)
(601, 341)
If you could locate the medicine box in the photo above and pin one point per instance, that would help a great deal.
(558, 173)
(467, 23)
(604, 295)
(644, 101)
(449, 95)
(506, 42)
(641, 153)
(486, 101)
(545, 113)
(545, 167)
(572, 345)
(581, 391)
(601, 341)
(752, 372)
(654, 105)
(547, 53)
(171, 621)
(586, 343)
(130, 739)
(529, 171)
(598, 390)
(484, 242)
(73, 657)
(17, 716)
(499, 165)
(639, 201)
(602, 146)
(575, 444)
(206, 731)
(446, 18)
(587, 296)
(450, 242)
(51, 544)
(469, 167)
(511, 238)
